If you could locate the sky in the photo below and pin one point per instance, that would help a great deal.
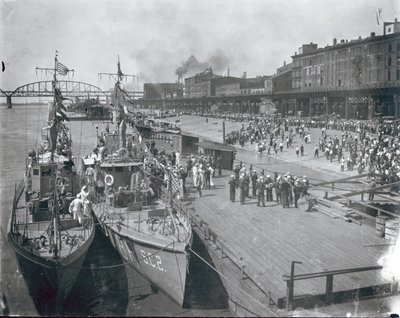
(154, 37)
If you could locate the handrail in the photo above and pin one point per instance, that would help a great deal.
(291, 278)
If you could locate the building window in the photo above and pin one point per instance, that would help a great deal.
(397, 75)
(388, 77)
(320, 81)
(390, 47)
(389, 61)
(340, 82)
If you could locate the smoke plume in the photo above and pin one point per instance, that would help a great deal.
(218, 62)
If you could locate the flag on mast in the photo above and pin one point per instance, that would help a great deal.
(62, 69)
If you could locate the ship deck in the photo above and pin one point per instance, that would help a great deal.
(265, 241)
(73, 234)
(148, 221)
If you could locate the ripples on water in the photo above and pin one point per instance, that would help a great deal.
(98, 292)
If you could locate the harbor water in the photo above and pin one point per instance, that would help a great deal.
(105, 287)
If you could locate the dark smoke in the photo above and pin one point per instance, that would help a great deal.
(218, 62)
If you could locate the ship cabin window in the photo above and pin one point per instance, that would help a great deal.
(35, 172)
(109, 169)
(119, 169)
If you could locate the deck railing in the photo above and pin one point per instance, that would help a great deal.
(291, 278)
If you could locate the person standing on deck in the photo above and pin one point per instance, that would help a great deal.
(269, 184)
(254, 178)
(195, 175)
(242, 186)
(285, 189)
(219, 165)
(260, 192)
(232, 188)
(198, 183)
(236, 172)
(207, 178)
(212, 174)
(247, 183)
(278, 189)
(297, 189)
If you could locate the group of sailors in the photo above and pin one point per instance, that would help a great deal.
(288, 188)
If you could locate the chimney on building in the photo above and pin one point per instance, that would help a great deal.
(284, 63)
(359, 37)
(334, 41)
(228, 72)
(341, 41)
(395, 20)
(372, 34)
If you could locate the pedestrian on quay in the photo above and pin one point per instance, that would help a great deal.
(260, 192)
(219, 165)
(268, 185)
(232, 188)
(254, 179)
(285, 189)
(302, 150)
(207, 178)
(278, 189)
(236, 172)
(316, 151)
(297, 190)
(242, 186)
(297, 151)
(199, 183)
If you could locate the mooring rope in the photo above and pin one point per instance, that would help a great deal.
(235, 285)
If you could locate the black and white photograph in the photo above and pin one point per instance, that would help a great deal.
(200, 158)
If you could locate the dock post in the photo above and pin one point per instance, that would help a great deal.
(243, 273)
(328, 289)
(326, 195)
(223, 132)
(362, 196)
(333, 186)
(9, 102)
(290, 287)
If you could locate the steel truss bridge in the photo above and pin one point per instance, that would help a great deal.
(67, 88)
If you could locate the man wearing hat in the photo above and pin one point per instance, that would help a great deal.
(260, 191)
(269, 184)
(232, 188)
(297, 189)
(254, 178)
(242, 186)
(278, 189)
(236, 173)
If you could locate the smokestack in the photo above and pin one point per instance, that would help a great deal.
(372, 34)
(284, 63)
(228, 72)
(334, 41)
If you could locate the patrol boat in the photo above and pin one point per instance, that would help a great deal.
(50, 243)
(135, 206)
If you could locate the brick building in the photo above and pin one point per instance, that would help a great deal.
(162, 90)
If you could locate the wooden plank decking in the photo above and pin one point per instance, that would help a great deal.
(268, 239)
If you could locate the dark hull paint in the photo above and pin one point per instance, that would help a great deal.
(49, 281)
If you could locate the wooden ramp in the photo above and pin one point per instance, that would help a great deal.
(263, 242)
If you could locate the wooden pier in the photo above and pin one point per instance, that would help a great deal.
(272, 258)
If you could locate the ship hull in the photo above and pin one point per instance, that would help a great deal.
(49, 281)
(166, 268)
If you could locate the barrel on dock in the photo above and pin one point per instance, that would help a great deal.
(392, 229)
(380, 225)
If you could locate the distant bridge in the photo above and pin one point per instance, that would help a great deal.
(67, 88)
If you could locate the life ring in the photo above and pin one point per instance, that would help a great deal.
(109, 180)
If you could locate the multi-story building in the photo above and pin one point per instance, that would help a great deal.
(162, 90)
(358, 66)
(200, 85)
